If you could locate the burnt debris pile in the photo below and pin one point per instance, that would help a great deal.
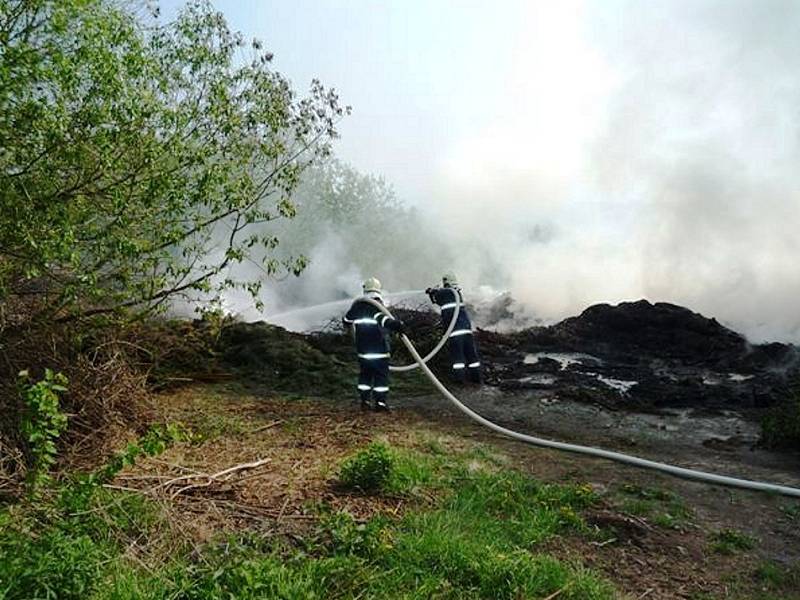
(633, 355)
(643, 355)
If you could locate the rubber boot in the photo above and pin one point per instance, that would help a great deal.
(474, 375)
(380, 403)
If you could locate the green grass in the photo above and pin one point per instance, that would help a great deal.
(730, 541)
(478, 542)
(369, 470)
(468, 533)
(769, 580)
(665, 508)
(379, 468)
(64, 554)
(791, 511)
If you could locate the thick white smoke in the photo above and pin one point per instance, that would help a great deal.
(648, 150)
(640, 149)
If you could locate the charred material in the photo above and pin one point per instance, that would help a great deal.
(638, 354)
(635, 355)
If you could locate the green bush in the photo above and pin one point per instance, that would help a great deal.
(730, 541)
(369, 470)
(56, 563)
(780, 428)
(42, 423)
(161, 135)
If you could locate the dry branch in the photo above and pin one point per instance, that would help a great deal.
(223, 475)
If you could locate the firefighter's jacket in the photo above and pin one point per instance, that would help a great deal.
(446, 298)
(371, 329)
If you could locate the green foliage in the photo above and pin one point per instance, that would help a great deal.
(340, 533)
(157, 439)
(479, 543)
(362, 211)
(780, 428)
(139, 160)
(666, 508)
(472, 573)
(776, 576)
(42, 423)
(369, 470)
(55, 563)
(478, 540)
(730, 541)
(791, 511)
(66, 554)
(63, 549)
(80, 492)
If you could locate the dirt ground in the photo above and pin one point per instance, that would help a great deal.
(302, 441)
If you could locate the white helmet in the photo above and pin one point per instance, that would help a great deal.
(449, 279)
(371, 285)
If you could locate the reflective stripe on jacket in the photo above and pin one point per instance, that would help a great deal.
(371, 325)
(446, 298)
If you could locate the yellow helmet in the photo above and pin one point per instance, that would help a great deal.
(371, 285)
(449, 279)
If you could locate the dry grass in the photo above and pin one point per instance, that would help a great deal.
(107, 394)
(300, 442)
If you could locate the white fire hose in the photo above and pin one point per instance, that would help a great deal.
(439, 346)
(536, 441)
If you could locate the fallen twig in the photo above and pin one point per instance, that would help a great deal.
(283, 508)
(556, 593)
(267, 426)
(605, 543)
(223, 475)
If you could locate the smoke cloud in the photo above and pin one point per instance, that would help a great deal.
(650, 150)
(638, 149)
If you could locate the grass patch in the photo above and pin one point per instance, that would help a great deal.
(210, 426)
(777, 577)
(379, 468)
(791, 511)
(65, 555)
(780, 428)
(768, 580)
(474, 537)
(369, 470)
(730, 541)
(665, 508)
(478, 542)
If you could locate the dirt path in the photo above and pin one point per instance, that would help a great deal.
(719, 442)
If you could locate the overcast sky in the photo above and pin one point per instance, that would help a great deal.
(600, 151)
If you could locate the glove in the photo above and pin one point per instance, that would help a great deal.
(399, 327)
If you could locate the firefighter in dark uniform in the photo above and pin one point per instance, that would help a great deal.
(372, 345)
(463, 353)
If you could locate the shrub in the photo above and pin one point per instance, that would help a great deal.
(369, 470)
(780, 428)
(730, 541)
(42, 423)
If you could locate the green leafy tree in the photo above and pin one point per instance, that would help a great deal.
(140, 161)
(379, 234)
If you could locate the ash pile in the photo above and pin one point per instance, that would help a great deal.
(641, 355)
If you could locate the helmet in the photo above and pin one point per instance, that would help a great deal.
(449, 279)
(371, 285)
